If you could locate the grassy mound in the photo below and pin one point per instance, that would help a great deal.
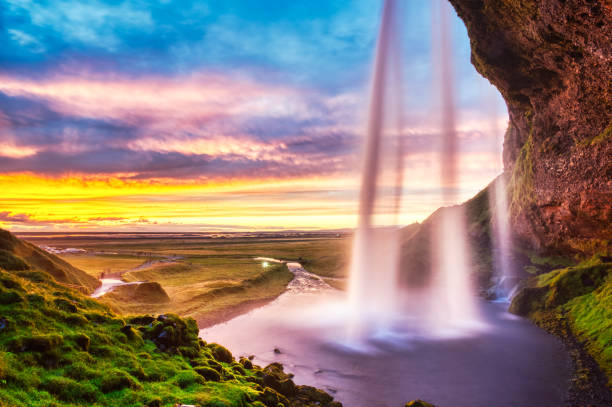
(580, 293)
(194, 292)
(59, 347)
(145, 293)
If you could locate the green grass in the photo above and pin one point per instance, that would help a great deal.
(61, 348)
(206, 290)
(47, 358)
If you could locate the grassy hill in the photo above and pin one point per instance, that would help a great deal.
(16, 255)
(59, 347)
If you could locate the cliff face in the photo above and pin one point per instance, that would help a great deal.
(552, 62)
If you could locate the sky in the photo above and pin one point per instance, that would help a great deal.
(234, 115)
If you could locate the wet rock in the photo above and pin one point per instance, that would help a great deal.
(271, 398)
(246, 363)
(277, 351)
(277, 379)
(528, 300)
(312, 394)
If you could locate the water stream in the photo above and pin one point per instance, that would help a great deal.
(512, 363)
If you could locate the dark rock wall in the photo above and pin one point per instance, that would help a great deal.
(552, 62)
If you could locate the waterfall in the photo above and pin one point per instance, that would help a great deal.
(453, 299)
(374, 267)
(374, 289)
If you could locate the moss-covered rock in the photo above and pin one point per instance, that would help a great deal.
(582, 296)
(553, 289)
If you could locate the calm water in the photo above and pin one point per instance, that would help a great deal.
(510, 363)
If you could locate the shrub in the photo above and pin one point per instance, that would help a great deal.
(42, 343)
(208, 373)
(65, 305)
(116, 379)
(80, 371)
(188, 377)
(9, 297)
(10, 262)
(82, 341)
(68, 390)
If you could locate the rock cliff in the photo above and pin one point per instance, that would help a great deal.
(552, 62)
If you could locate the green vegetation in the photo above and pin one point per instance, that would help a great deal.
(16, 254)
(59, 348)
(580, 293)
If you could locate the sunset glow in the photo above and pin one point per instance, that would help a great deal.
(190, 135)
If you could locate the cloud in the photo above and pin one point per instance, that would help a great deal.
(23, 218)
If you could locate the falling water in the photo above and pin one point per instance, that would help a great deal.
(502, 242)
(373, 286)
(373, 277)
(453, 299)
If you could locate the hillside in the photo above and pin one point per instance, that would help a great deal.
(59, 347)
(17, 255)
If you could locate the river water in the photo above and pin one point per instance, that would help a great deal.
(510, 364)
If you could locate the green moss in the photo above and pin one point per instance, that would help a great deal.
(69, 390)
(591, 319)
(582, 292)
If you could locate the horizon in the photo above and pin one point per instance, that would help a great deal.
(117, 117)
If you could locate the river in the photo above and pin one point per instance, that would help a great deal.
(510, 364)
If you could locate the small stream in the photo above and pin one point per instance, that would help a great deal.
(510, 364)
(108, 284)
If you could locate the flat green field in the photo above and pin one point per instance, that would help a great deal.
(210, 279)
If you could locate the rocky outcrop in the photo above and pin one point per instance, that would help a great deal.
(552, 62)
